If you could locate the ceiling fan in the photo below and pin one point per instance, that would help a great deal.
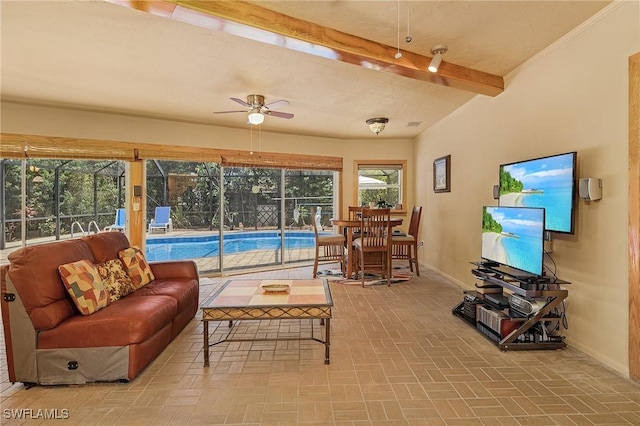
(257, 109)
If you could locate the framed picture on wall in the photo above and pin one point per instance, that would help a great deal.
(442, 174)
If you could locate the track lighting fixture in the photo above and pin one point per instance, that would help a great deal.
(376, 125)
(437, 52)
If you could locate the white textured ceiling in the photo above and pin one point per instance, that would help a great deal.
(100, 56)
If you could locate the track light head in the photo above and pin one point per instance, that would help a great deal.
(437, 52)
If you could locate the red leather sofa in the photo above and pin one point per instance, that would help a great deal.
(49, 342)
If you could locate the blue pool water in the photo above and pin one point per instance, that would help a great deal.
(176, 248)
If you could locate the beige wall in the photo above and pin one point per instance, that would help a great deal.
(29, 119)
(572, 97)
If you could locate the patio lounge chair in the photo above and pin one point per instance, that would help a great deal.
(161, 220)
(120, 222)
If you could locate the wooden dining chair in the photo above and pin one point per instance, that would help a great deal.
(373, 249)
(329, 247)
(405, 247)
(355, 213)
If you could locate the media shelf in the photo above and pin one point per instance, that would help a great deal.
(508, 326)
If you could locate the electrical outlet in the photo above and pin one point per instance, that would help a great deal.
(421, 243)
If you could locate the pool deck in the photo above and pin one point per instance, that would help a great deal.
(235, 262)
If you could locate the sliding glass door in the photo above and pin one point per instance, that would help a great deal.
(253, 218)
(236, 218)
(307, 191)
(42, 200)
(224, 218)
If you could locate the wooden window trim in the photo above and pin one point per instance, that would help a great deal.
(35, 146)
(401, 163)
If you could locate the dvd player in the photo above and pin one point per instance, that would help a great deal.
(497, 299)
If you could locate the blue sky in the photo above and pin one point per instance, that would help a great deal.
(543, 172)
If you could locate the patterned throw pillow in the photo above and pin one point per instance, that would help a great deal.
(136, 266)
(84, 285)
(115, 279)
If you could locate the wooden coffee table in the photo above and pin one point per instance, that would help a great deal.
(243, 299)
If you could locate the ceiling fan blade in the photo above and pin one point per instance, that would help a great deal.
(279, 101)
(226, 112)
(280, 114)
(240, 101)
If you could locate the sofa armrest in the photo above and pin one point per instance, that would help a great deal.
(174, 269)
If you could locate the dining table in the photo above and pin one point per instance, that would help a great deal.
(349, 225)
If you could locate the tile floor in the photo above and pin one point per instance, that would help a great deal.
(398, 357)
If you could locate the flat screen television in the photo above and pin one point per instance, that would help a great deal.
(514, 237)
(547, 182)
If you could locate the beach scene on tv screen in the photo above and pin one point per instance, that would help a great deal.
(545, 182)
(513, 236)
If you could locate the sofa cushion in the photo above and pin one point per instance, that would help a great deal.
(106, 245)
(115, 279)
(184, 290)
(34, 272)
(136, 266)
(130, 320)
(84, 285)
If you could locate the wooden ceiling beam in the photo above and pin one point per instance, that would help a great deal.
(253, 22)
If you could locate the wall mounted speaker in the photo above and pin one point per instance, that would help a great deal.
(590, 188)
(496, 192)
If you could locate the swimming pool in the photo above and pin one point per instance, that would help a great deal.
(176, 248)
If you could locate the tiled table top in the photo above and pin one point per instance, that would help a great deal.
(249, 293)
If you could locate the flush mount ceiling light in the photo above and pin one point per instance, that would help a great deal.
(376, 125)
(437, 52)
(256, 118)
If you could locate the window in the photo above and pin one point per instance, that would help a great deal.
(377, 182)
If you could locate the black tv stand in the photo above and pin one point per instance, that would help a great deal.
(509, 329)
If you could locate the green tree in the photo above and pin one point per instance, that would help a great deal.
(489, 224)
(508, 183)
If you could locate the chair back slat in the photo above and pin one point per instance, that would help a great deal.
(373, 248)
(415, 221)
(376, 229)
(406, 248)
(355, 213)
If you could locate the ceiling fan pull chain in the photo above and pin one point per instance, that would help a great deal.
(408, 38)
(398, 54)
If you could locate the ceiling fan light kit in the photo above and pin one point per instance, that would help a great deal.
(437, 52)
(257, 109)
(256, 118)
(376, 125)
